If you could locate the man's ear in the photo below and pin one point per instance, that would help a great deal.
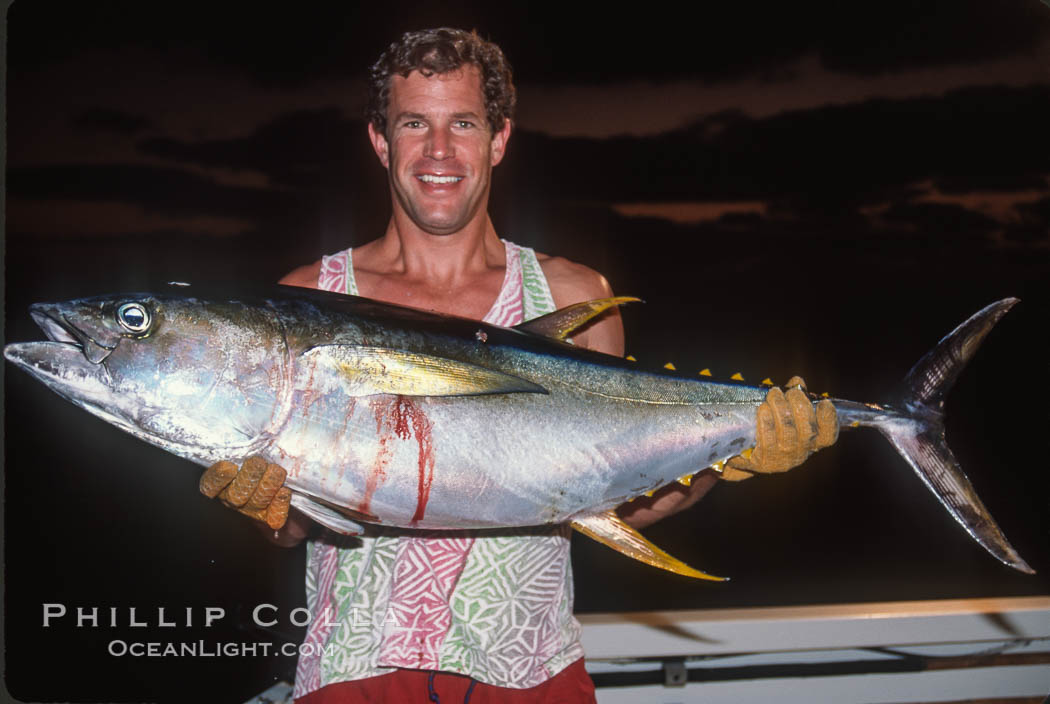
(380, 145)
(499, 143)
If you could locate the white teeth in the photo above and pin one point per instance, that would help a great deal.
(428, 178)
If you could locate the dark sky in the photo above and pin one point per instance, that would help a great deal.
(821, 188)
(200, 120)
(549, 42)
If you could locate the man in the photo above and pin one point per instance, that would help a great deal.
(410, 616)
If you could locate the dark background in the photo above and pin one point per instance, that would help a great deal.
(851, 184)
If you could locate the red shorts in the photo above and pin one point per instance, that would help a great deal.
(570, 686)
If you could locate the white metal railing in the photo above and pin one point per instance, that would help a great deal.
(917, 651)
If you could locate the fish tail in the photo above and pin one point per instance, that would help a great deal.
(918, 431)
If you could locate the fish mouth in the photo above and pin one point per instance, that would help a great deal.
(69, 362)
(59, 329)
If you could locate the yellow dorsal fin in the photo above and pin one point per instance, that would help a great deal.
(563, 322)
(705, 372)
(609, 529)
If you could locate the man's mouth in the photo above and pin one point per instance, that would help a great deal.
(431, 178)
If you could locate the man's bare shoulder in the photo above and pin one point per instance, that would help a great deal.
(305, 276)
(571, 282)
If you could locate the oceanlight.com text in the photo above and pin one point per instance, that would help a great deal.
(208, 649)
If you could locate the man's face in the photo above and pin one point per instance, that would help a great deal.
(439, 149)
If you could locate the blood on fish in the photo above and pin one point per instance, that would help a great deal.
(400, 417)
(351, 406)
(402, 408)
(297, 467)
(310, 395)
(421, 424)
(377, 476)
(381, 409)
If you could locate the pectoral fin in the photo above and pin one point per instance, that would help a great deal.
(326, 516)
(561, 323)
(367, 371)
(609, 529)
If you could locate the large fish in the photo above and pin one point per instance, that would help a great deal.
(393, 416)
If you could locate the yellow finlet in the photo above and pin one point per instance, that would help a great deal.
(685, 479)
(746, 454)
(766, 382)
(609, 529)
(737, 377)
(825, 395)
(649, 494)
(854, 424)
(630, 358)
(718, 466)
(705, 372)
(670, 366)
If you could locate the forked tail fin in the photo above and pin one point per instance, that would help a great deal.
(918, 434)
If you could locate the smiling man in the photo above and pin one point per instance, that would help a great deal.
(410, 616)
(439, 151)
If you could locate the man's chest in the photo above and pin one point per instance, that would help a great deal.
(473, 298)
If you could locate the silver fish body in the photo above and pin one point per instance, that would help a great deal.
(591, 442)
(408, 419)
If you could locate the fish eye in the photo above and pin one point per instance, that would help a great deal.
(134, 317)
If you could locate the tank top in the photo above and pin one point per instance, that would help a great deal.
(497, 608)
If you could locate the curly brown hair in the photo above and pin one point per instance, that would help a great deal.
(441, 51)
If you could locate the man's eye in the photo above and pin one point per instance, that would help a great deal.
(413, 124)
(464, 124)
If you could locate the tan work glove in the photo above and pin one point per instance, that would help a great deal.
(256, 489)
(789, 429)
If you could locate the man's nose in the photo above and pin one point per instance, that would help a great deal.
(439, 144)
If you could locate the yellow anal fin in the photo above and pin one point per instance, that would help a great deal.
(609, 529)
(562, 323)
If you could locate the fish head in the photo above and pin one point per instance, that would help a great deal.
(200, 379)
